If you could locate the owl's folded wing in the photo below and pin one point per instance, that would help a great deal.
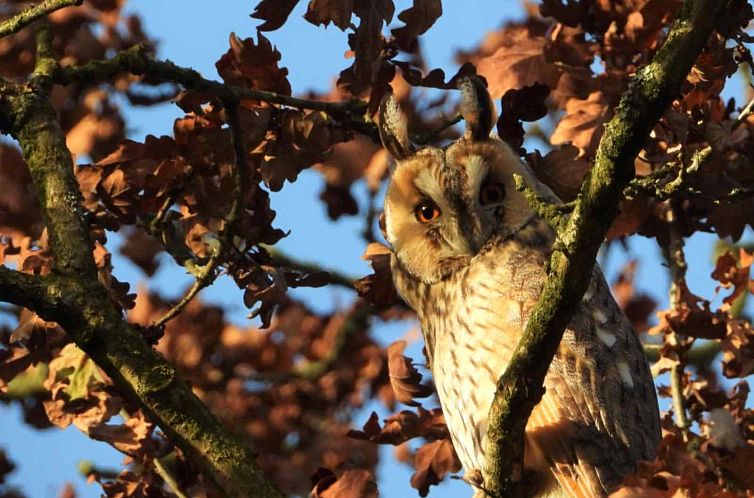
(599, 415)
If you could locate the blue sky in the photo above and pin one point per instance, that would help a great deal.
(195, 33)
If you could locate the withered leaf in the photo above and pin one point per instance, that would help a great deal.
(526, 104)
(433, 462)
(78, 391)
(402, 426)
(274, 13)
(569, 12)
(325, 12)
(692, 317)
(253, 65)
(129, 484)
(734, 272)
(20, 215)
(418, 19)
(346, 482)
(13, 361)
(518, 65)
(78, 369)
(129, 438)
(366, 44)
(378, 287)
(142, 250)
(582, 123)
(436, 77)
(32, 331)
(339, 201)
(561, 170)
(266, 287)
(738, 349)
(404, 377)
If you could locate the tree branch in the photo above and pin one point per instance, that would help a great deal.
(72, 296)
(336, 277)
(520, 387)
(356, 320)
(136, 60)
(28, 16)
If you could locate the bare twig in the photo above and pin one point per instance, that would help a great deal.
(28, 16)
(660, 185)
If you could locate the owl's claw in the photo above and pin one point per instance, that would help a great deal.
(475, 479)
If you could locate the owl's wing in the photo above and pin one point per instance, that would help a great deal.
(599, 414)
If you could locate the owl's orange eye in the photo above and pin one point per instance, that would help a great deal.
(491, 193)
(426, 211)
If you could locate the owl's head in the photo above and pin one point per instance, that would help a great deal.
(443, 204)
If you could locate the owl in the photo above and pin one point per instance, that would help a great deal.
(469, 257)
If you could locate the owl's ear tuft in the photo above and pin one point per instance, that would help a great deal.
(394, 128)
(477, 108)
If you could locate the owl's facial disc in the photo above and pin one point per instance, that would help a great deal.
(423, 216)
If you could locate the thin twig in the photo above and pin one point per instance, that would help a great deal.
(168, 477)
(357, 319)
(658, 186)
(206, 273)
(680, 344)
(554, 214)
(744, 114)
(434, 135)
(336, 277)
(157, 223)
(28, 16)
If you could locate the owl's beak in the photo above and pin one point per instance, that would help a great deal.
(471, 229)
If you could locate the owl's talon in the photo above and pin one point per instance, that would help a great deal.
(474, 478)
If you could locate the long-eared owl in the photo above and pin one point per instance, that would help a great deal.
(469, 256)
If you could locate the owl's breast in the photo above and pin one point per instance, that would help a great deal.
(472, 323)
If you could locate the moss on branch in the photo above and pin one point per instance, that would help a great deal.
(28, 16)
(649, 93)
(72, 296)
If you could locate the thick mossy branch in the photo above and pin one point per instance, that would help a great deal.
(648, 95)
(28, 16)
(72, 296)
